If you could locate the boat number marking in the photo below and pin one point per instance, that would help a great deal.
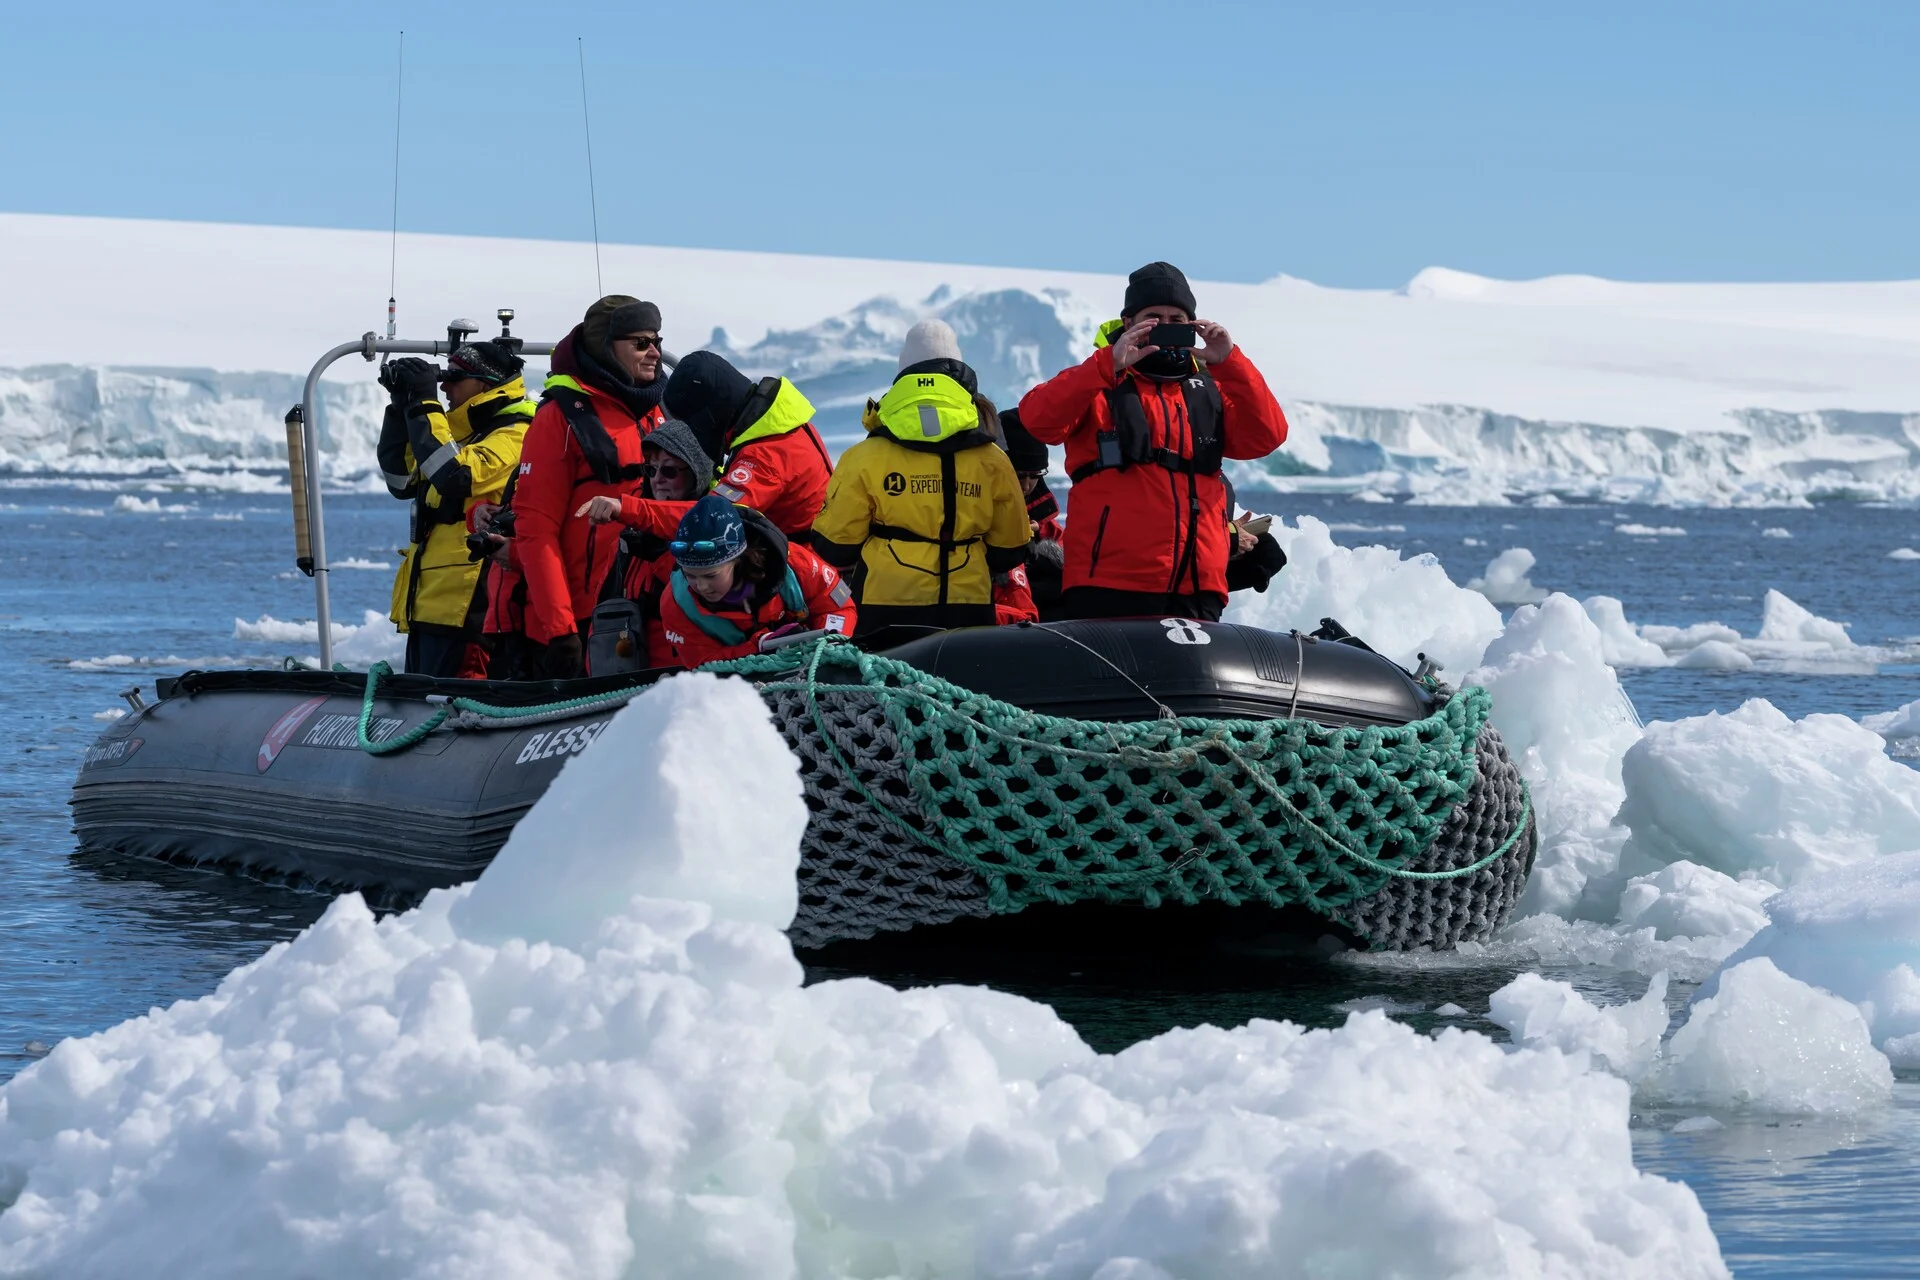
(556, 742)
(282, 732)
(1185, 631)
(115, 752)
(343, 731)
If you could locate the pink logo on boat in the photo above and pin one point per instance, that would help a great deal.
(283, 730)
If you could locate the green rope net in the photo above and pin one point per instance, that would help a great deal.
(1045, 809)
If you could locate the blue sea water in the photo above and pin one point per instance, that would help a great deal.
(94, 599)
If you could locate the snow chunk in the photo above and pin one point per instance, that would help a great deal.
(1541, 1013)
(357, 562)
(126, 502)
(1903, 553)
(1620, 643)
(1782, 619)
(1776, 531)
(1855, 932)
(1650, 530)
(1506, 582)
(1402, 607)
(375, 639)
(1568, 724)
(1755, 792)
(678, 832)
(1714, 655)
(1686, 900)
(1766, 1041)
(111, 713)
(1901, 723)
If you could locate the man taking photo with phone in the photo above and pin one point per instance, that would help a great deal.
(1147, 420)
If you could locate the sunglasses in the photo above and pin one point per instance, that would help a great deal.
(665, 471)
(704, 547)
(642, 341)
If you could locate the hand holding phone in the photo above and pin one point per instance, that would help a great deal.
(1170, 336)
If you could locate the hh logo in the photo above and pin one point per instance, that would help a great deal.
(895, 483)
(925, 382)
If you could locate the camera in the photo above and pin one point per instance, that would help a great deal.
(485, 542)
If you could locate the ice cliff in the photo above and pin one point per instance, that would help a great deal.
(102, 419)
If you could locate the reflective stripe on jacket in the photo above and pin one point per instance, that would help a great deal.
(479, 446)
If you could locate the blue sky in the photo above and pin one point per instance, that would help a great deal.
(1350, 144)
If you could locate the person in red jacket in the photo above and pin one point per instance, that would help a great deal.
(773, 459)
(603, 396)
(1046, 553)
(737, 583)
(1146, 430)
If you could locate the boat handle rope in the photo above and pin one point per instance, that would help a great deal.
(477, 715)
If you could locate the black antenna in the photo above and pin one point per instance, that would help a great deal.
(593, 199)
(393, 252)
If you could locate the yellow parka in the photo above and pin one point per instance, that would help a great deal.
(928, 499)
(479, 451)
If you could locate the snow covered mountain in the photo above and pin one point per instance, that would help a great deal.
(1453, 389)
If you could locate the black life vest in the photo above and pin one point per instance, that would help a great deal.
(1127, 439)
(596, 446)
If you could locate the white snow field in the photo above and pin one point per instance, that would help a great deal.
(598, 1061)
(130, 346)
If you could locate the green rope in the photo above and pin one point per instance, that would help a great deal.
(1047, 809)
(487, 711)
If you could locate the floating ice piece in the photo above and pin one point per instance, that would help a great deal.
(1766, 1041)
(435, 1094)
(1650, 530)
(1714, 655)
(373, 640)
(126, 502)
(1568, 723)
(1620, 643)
(1782, 619)
(1686, 900)
(1697, 1124)
(1403, 607)
(1775, 531)
(1384, 1004)
(1506, 582)
(1855, 932)
(1901, 723)
(1753, 792)
(111, 713)
(1542, 1013)
(1450, 1010)
(358, 562)
(1680, 639)
(1903, 553)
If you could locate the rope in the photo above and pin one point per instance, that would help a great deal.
(479, 715)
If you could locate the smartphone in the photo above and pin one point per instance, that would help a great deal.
(1255, 525)
(1167, 336)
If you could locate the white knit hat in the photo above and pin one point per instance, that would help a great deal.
(929, 340)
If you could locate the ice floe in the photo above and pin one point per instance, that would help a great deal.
(1506, 581)
(360, 645)
(1855, 932)
(499, 1084)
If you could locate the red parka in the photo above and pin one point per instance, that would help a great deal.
(565, 559)
(1130, 526)
(784, 476)
(828, 604)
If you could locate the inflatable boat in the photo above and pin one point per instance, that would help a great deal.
(1130, 765)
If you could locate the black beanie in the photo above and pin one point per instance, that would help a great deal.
(1025, 452)
(488, 361)
(615, 316)
(1158, 284)
(707, 394)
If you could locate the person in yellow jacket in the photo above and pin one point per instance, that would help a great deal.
(444, 461)
(926, 510)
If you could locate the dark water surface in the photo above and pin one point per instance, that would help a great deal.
(94, 599)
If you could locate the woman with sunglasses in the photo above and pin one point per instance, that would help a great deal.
(737, 583)
(601, 400)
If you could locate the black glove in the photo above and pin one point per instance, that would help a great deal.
(1258, 566)
(562, 659)
(410, 381)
